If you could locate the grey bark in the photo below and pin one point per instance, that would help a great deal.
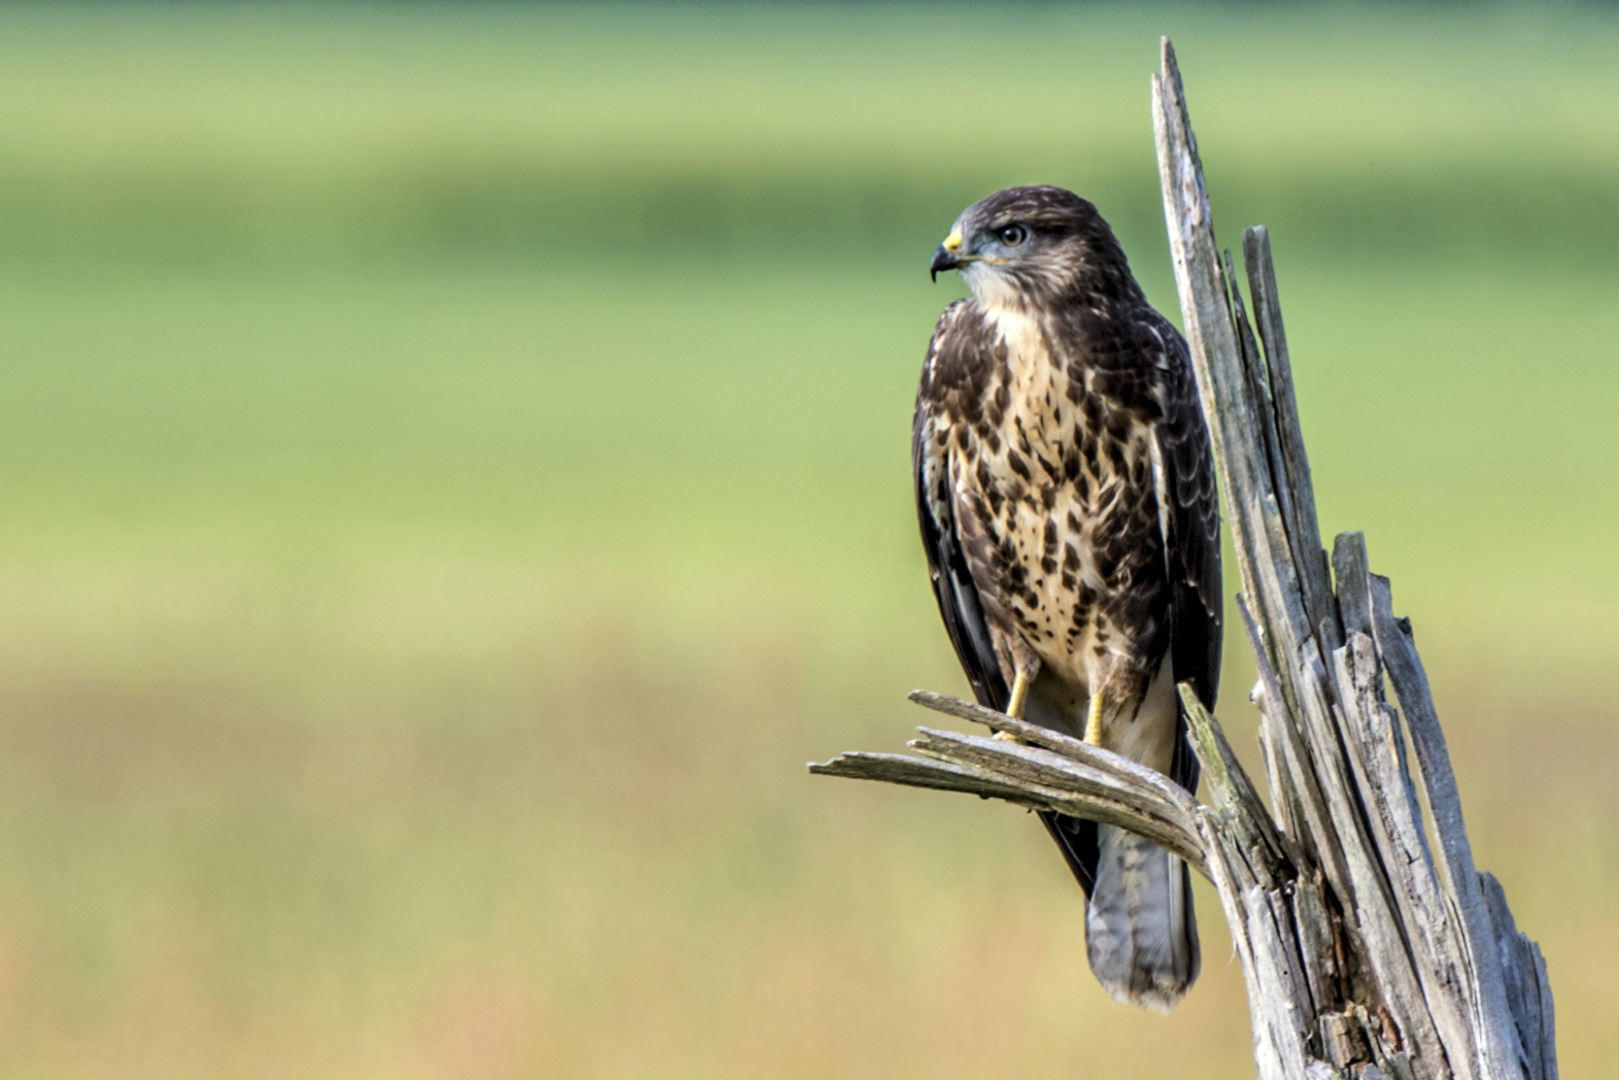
(1369, 947)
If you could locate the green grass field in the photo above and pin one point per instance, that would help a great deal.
(455, 474)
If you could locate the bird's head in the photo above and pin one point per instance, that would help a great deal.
(1034, 247)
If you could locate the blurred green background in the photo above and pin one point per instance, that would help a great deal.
(454, 473)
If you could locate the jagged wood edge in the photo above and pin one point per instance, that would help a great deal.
(1040, 769)
(1266, 482)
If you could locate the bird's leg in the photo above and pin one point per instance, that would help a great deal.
(1093, 720)
(1020, 695)
(1019, 699)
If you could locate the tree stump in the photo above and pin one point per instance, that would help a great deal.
(1370, 946)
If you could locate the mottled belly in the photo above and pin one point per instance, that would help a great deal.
(1069, 524)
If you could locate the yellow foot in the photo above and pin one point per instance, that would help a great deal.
(1005, 736)
(1093, 720)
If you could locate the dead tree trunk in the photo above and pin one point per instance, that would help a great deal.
(1367, 950)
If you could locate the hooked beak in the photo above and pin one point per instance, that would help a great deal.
(948, 255)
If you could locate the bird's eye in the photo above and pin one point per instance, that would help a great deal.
(1013, 235)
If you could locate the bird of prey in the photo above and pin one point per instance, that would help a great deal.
(1065, 488)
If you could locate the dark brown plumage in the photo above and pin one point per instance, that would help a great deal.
(1066, 496)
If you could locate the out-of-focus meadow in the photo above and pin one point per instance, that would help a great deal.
(455, 475)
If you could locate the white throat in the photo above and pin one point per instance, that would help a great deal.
(992, 290)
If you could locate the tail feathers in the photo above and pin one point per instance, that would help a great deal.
(1140, 931)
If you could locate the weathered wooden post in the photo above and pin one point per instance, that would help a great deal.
(1367, 950)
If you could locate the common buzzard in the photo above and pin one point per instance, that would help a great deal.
(1066, 494)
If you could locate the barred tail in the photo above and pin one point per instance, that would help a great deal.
(1140, 931)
